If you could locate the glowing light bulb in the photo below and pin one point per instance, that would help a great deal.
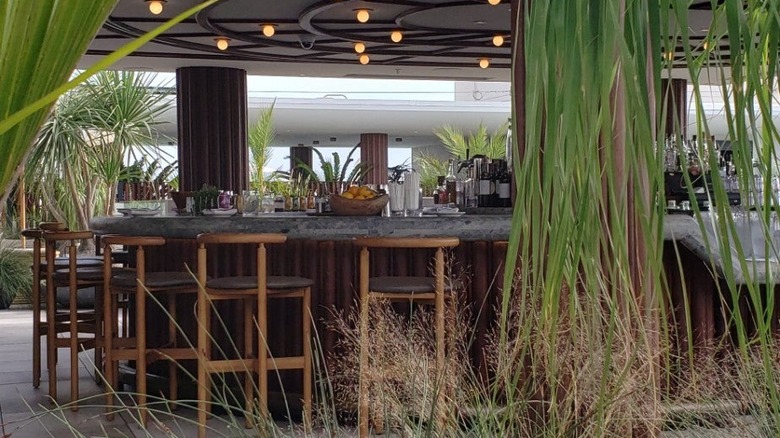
(362, 15)
(155, 6)
(268, 30)
(364, 59)
(484, 63)
(494, 2)
(222, 43)
(498, 40)
(396, 36)
(360, 47)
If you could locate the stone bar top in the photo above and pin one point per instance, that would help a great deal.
(680, 228)
(302, 226)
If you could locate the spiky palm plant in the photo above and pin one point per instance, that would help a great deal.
(261, 135)
(479, 142)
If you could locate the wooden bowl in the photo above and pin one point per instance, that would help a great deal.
(342, 206)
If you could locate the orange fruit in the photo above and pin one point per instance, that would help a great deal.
(354, 190)
(360, 197)
(348, 195)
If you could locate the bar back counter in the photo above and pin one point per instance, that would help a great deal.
(319, 247)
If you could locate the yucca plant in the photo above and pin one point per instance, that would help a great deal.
(335, 174)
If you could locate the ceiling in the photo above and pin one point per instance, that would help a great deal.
(442, 39)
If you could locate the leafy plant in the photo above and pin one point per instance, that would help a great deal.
(261, 135)
(430, 168)
(335, 172)
(15, 274)
(479, 142)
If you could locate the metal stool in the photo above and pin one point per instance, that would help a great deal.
(399, 288)
(139, 283)
(255, 289)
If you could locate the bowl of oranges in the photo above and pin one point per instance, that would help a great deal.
(358, 201)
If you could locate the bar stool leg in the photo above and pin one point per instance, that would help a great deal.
(36, 305)
(99, 328)
(439, 315)
(109, 316)
(140, 335)
(248, 381)
(173, 369)
(204, 383)
(74, 330)
(51, 324)
(307, 362)
(363, 384)
(262, 316)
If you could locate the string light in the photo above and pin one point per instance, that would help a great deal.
(362, 15)
(484, 63)
(155, 6)
(494, 2)
(396, 36)
(498, 40)
(360, 47)
(222, 43)
(268, 30)
(364, 59)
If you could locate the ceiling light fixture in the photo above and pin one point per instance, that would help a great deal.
(362, 15)
(494, 2)
(396, 36)
(268, 30)
(484, 63)
(155, 6)
(498, 40)
(222, 43)
(363, 59)
(360, 47)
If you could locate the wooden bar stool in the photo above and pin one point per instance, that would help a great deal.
(138, 284)
(38, 273)
(84, 328)
(255, 289)
(407, 288)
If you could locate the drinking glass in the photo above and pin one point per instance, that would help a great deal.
(251, 202)
(395, 192)
(268, 204)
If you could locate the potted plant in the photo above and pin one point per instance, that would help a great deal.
(335, 176)
(15, 274)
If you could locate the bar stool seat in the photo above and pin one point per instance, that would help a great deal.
(81, 262)
(407, 285)
(154, 280)
(89, 274)
(275, 284)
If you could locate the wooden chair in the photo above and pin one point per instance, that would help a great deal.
(39, 325)
(139, 284)
(256, 289)
(84, 328)
(406, 288)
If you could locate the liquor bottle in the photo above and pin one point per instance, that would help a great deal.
(440, 194)
(451, 182)
(470, 187)
(486, 187)
(504, 195)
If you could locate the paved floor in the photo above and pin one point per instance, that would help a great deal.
(26, 411)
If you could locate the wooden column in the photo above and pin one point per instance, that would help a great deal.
(299, 154)
(674, 97)
(212, 116)
(373, 150)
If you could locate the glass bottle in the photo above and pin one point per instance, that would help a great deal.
(451, 182)
(486, 187)
(440, 194)
(504, 185)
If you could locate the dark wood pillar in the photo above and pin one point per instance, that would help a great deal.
(212, 115)
(674, 97)
(373, 150)
(299, 154)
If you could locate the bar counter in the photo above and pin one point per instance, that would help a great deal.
(319, 247)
